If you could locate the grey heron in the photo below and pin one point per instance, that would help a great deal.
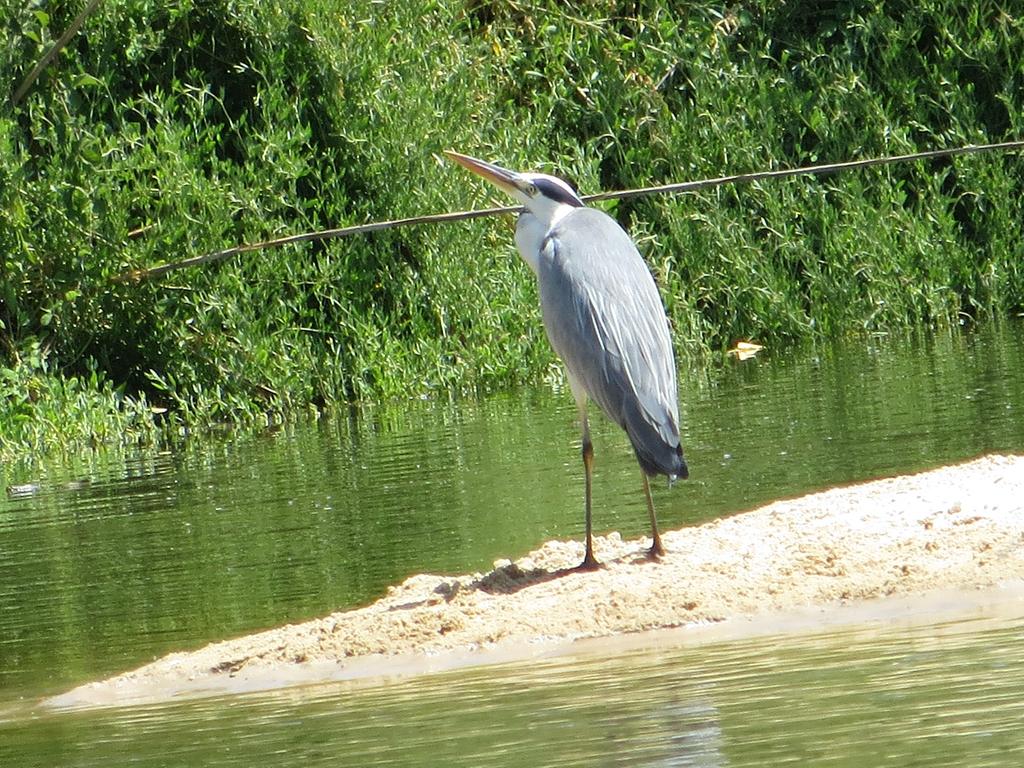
(605, 320)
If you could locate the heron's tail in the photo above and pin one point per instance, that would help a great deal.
(664, 460)
(683, 470)
(654, 434)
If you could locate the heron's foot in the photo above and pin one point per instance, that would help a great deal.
(590, 563)
(656, 551)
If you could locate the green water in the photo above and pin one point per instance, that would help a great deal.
(119, 558)
(898, 697)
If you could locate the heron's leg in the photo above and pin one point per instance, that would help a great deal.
(656, 546)
(589, 561)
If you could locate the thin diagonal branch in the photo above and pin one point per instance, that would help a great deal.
(52, 53)
(686, 186)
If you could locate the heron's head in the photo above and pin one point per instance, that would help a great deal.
(546, 197)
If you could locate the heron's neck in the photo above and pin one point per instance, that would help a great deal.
(530, 234)
(533, 227)
(548, 212)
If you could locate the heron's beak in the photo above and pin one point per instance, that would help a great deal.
(504, 179)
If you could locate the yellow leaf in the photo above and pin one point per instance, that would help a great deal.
(744, 350)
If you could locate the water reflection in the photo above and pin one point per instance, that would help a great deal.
(884, 695)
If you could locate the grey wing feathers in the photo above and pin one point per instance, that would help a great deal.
(605, 319)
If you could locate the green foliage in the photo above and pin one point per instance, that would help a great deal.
(40, 410)
(168, 130)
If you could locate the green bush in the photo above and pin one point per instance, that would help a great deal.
(40, 410)
(168, 130)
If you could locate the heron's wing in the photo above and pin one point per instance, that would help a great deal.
(605, 319)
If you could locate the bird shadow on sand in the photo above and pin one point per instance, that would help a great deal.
(510, 578)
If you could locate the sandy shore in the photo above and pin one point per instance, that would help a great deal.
(951, 528)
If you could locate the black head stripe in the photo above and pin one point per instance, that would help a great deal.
(558, 192)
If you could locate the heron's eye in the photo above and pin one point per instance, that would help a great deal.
(531, 190)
